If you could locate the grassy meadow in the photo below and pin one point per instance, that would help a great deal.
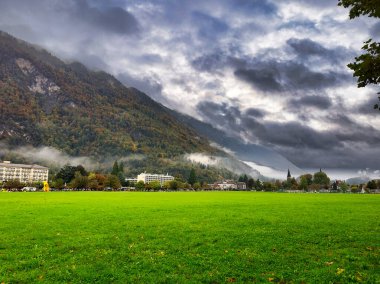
(189, 237)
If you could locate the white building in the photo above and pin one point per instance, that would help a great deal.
(228, 185)
(147, 178)
(132, 180)
(24, 173)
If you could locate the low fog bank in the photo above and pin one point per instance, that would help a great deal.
(228, 163)
(52, 157)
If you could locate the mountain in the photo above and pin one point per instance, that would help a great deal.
(358, 180)
(45, 101)
(267, 161)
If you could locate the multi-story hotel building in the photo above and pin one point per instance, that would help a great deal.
(147, 178)
(24, 173)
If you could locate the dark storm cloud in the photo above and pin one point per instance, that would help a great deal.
(266, 78)
(254, 7)
(351, 157)
(285, 137)
(227, 116)
(300, 24)
(208, 27)
(149, 85)
(210, 62)
(306, 48)
(319, 4)
(112, 19)
(277, 76)
(308, 147)
(289, 134)
(361, 133)
(218, 60)
(341, 119)
(255, 112)
(75, 14)
(294, 134)
(319, 102)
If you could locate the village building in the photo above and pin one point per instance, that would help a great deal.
(23, 172)
(228, 185)
(147, 178)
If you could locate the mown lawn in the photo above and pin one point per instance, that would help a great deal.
(189, 237)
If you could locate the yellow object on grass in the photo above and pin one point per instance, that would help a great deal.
(46, 186)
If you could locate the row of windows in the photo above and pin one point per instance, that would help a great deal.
(23, 174)
(22, 177)
(22, 169)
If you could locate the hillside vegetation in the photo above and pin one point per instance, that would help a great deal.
(44, 101)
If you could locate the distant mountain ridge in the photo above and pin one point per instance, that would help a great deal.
(358, 180)
(45, 101)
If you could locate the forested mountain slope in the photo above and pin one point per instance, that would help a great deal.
(44, 101)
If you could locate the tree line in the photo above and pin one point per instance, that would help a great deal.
(307, 182)
(77, 177)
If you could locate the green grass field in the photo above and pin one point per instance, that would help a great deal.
(189, 237)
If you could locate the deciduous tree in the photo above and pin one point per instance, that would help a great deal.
(13, 184)
(321, 179)
(155, 185)
(367, 65)
(140, 185)
(79, 181)
(113, 182)
(343, 186)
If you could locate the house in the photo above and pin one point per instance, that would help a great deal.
(224, 185)
(241, 185)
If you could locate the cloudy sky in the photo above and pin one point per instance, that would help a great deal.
(270, 72)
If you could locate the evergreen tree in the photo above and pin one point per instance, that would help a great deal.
(372, 184)
(192, 177)
(121, 177)
(245, 178)
(67, 173)
(121, 167)
(250, 183)
(115, 169)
